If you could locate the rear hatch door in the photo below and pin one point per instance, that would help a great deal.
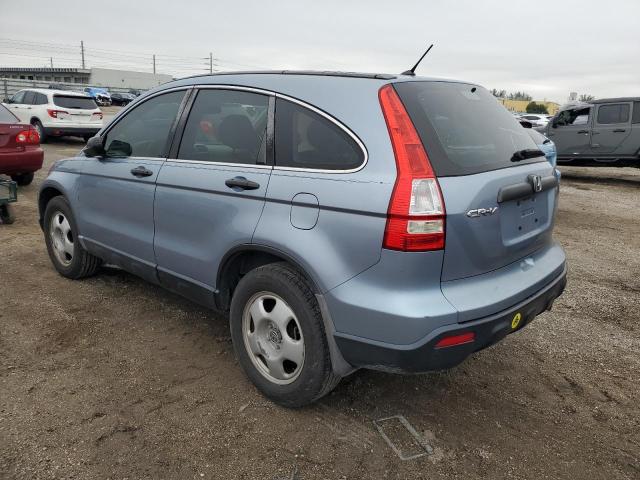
(500, 204)
(80, 109)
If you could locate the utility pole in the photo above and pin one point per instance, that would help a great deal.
(154, 63)
(210, 62)
(82, 52)
(51, 60)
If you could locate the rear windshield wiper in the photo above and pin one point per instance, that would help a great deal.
(526, 153)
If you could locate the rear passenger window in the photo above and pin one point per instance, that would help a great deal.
(41, 99)
(227, 126)
(144, 131)
(305, 139)
(618, 113)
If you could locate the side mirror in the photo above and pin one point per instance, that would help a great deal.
(118, 148)
(554, 122)
(94, 147)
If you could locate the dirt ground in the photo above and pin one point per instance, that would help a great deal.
(113, 378)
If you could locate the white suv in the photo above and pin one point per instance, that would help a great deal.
(57, 112)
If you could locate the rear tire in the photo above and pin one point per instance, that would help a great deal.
(68, 256)
(23, 179)
(38, 126)
(279, 338)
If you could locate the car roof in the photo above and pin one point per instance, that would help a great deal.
(619, 99)
(54, 91)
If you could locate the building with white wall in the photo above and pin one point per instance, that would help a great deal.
(103, 77)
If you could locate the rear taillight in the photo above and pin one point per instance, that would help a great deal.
(98, 115)
(57, 113)
(416, 215)
(28, 137)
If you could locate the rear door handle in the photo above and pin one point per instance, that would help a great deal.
(582, 131)
(619, 130)
(141, 172)
(241, 183)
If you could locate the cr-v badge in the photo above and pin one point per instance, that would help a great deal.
(481, 212)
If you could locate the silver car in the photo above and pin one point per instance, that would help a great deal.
(340, 220)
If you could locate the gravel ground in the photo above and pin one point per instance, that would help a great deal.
(114, 378)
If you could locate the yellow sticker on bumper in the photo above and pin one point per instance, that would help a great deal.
(516, 321)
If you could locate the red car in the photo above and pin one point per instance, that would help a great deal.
(20, 152)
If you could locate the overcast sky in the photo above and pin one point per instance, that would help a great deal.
(547, 48)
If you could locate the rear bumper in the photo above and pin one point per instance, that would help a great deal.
(424, 356)
(71, 130)
(27, 161)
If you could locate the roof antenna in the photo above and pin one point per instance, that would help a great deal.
(412, 72)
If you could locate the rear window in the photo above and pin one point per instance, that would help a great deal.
(72, 101)
(536, 136)
(6, 116)
(618, 113)
(463, 128)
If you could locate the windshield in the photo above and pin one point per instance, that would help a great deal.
(474, 132)
(74, 101)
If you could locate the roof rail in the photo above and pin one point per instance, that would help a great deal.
(321, 73)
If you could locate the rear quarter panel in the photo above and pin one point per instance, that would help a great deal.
(351, 207)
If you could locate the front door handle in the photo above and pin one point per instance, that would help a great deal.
(619, 130)
(141, 172)
(582, 131)
(241, 183)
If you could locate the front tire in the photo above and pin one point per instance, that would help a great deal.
(23, 179)
(68, 256)
(279, 338)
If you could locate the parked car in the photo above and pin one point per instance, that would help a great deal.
(56, 112)
(537, 120)
(135, 93)
(605, 131)
(402, 229)
(122, 99)
(59, 86)
(100, 95)
(544, 144)
(20, 152)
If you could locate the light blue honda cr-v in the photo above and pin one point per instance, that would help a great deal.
(343, 220)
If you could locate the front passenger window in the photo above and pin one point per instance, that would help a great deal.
(18, 98)
(144, 131)
(578, 116)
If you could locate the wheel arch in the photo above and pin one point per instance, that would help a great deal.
(243, 258)
(47, 193)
